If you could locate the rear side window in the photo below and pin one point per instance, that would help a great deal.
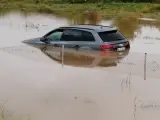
(87, 36)
(77, 35)
(109, 36)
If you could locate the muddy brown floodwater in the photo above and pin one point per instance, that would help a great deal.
(90, 86)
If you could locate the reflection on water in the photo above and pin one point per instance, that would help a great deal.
(127, 26)
(37, 87)
(83, 58)
(86, 18)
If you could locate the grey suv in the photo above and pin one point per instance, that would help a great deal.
(94, 37)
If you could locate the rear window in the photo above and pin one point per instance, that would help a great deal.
(109, 36)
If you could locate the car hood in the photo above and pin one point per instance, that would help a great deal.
(33, 41)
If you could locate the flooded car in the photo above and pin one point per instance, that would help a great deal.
(93, 37)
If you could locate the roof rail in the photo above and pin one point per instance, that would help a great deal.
(96, 25)
(78, 28)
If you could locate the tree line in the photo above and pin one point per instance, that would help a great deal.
(111, 1)
(84, 1)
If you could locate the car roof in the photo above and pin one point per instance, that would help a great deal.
(97, 28)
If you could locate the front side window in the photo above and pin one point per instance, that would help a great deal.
(55, 36)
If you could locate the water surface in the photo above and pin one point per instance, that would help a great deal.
(90, 86)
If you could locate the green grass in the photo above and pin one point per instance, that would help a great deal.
(71, 10)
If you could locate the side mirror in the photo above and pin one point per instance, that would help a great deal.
(45, 40)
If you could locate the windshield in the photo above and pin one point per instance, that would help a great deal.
(109, 36)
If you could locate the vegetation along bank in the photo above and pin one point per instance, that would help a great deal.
(70, 8)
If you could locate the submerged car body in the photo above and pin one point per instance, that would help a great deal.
(93, 37)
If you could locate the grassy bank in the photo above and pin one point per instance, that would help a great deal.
(71, 10)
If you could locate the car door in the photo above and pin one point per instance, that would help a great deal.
(74, 38)
(70, 37)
